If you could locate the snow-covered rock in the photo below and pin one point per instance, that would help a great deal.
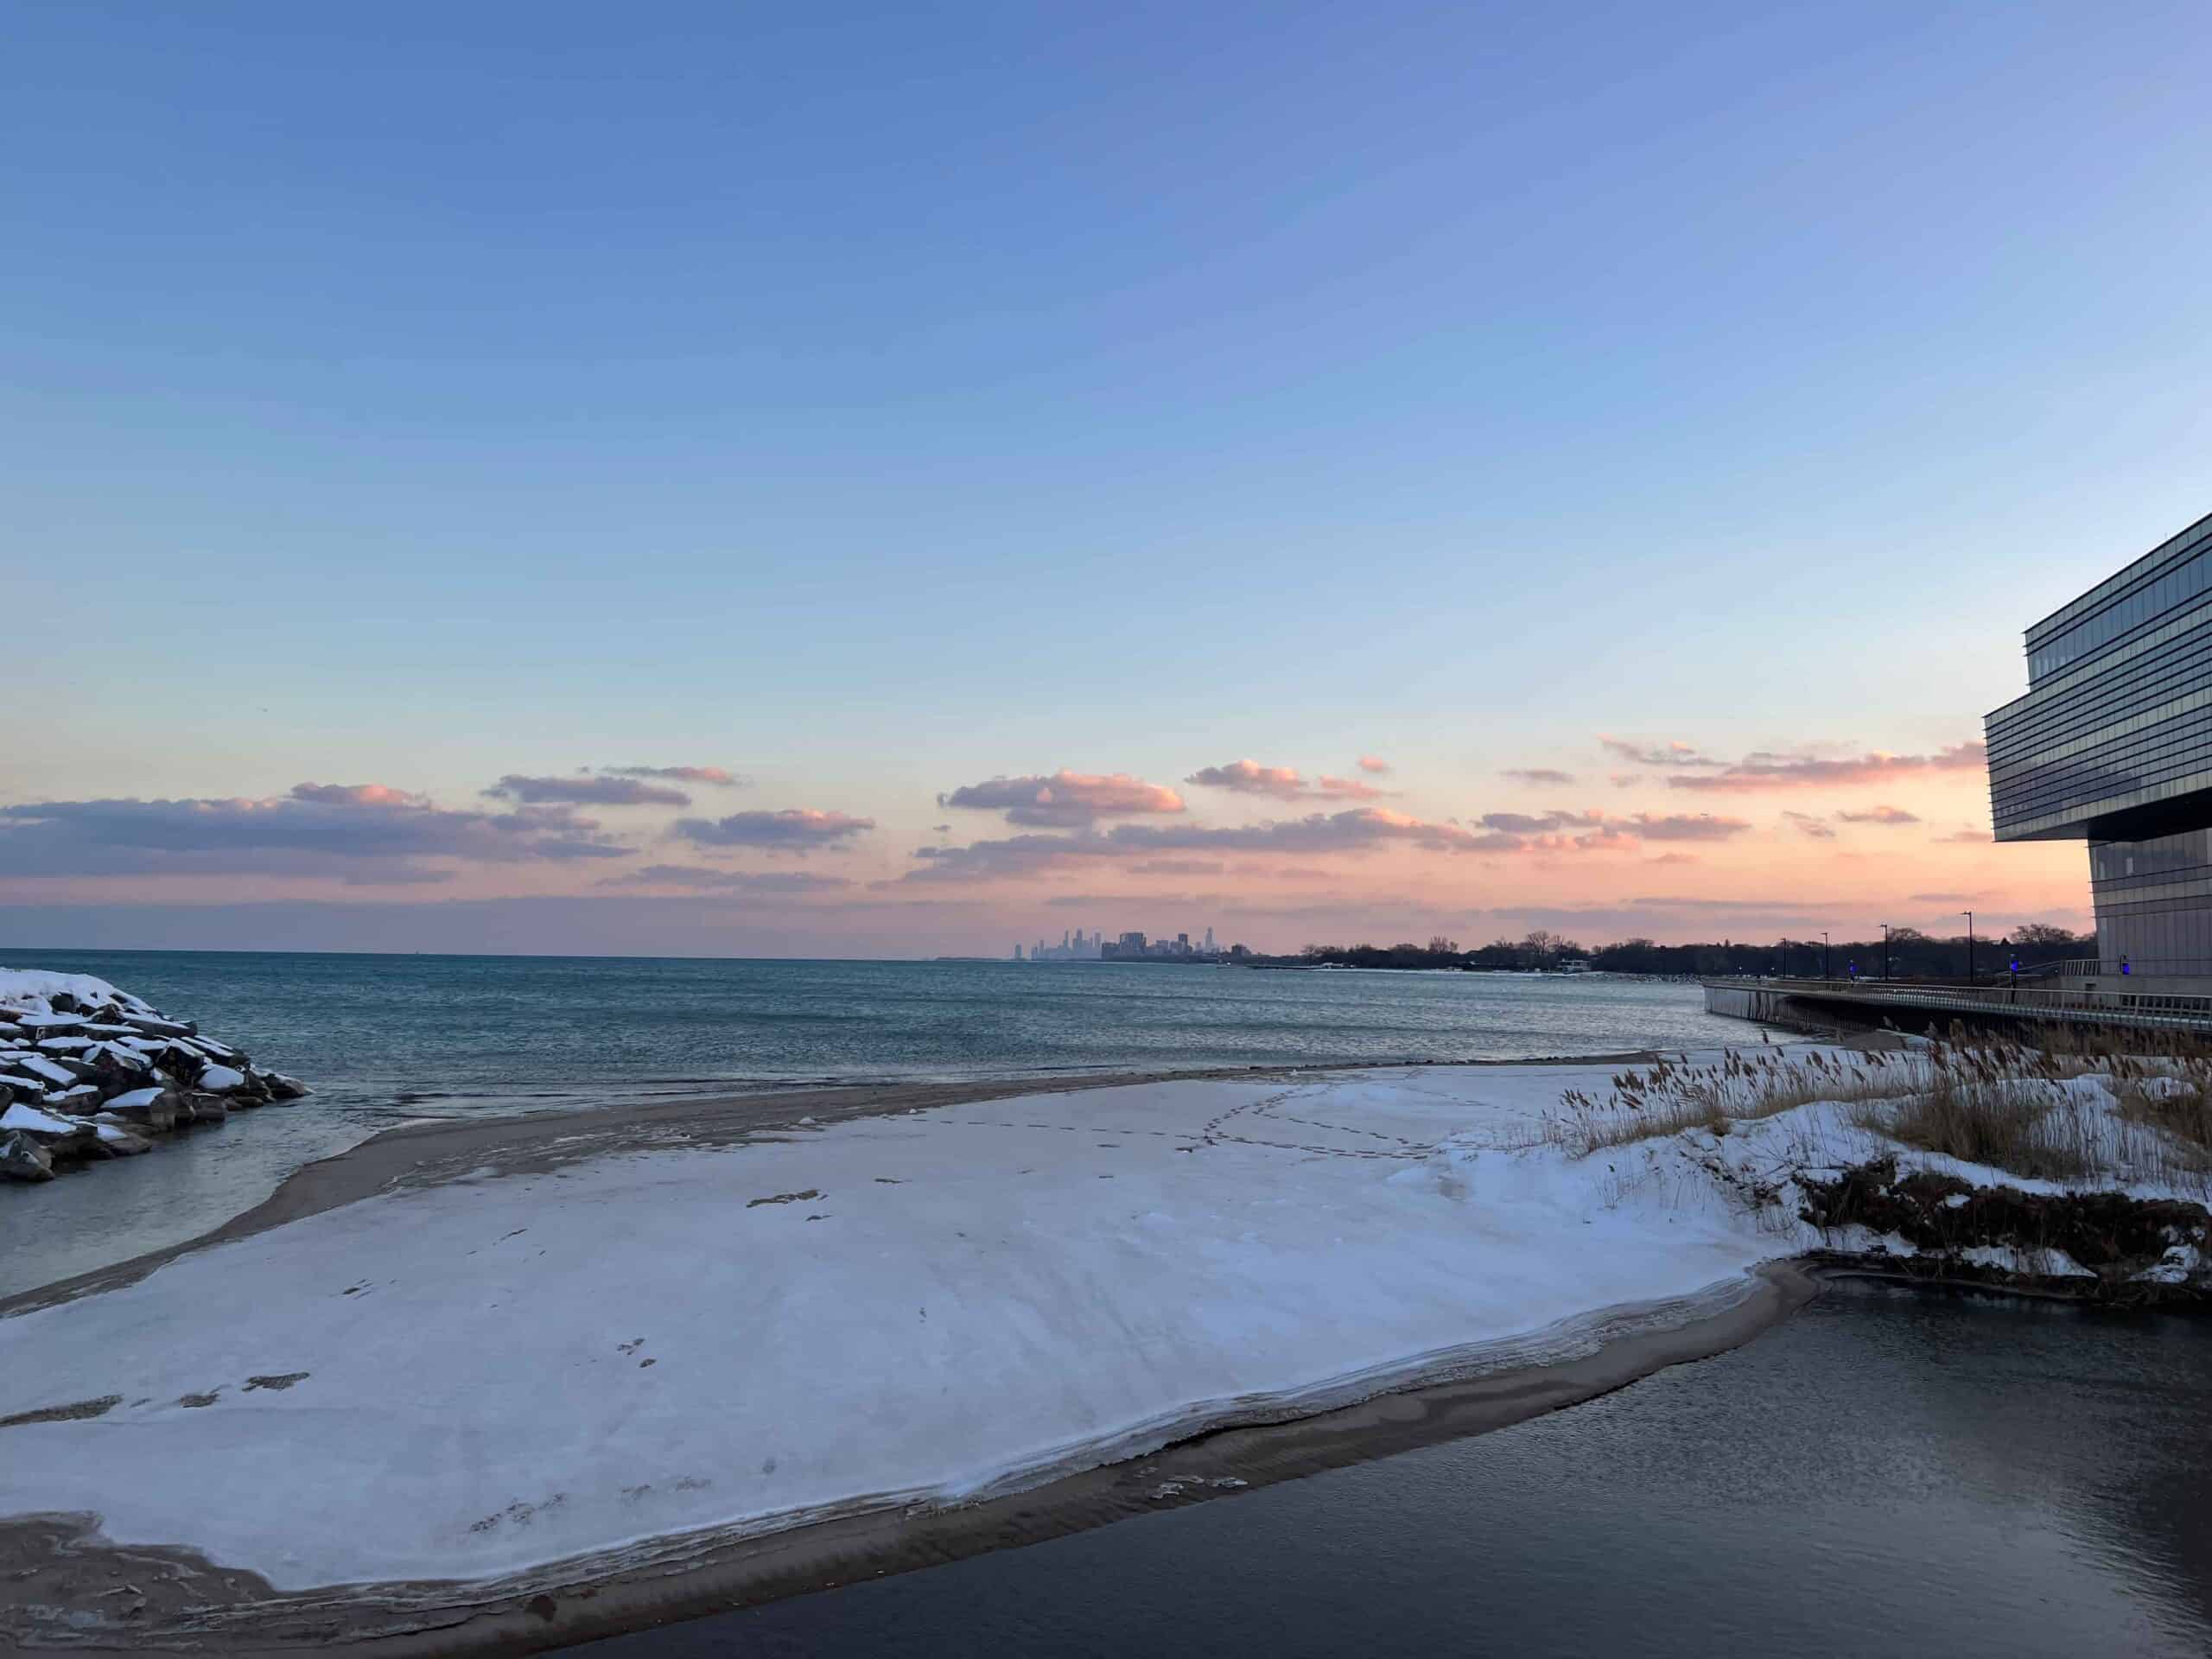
(31, 1120)
(76, 1042)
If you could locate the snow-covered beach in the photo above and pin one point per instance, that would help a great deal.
(580, 1350)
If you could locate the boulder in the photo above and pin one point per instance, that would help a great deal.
(23, 1159)
(283, 1088)
(32, 1121)
(144, 1109)
(154, 1027)
(118, 1141)
(220, 1080)
(118, 1068)
(204, 1108)
(58, 1136)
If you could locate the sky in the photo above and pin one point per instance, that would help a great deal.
(833, 480)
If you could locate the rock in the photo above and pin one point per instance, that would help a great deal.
(144, 1109)
(283, 1088)
(222, 1079)
(154, 1027)
(23, 1159)
(118, 1068)
(50, 1024)
(205, 1109)
(118, 1141)
(31, 1120)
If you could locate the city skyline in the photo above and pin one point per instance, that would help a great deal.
(1346, 477)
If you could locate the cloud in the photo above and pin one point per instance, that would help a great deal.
(1657, 755)
(1537, 775)
(1807, 824)
(360, 832)
(1282, 783)
(1879, 815)
(1355, 830)
(794, 830)
(719, 778)
(703, 878)
(1374, 764)
(1764, 770)
(1674, 858)
(357, 795)
(1250, 777)
(1625, 779)
(1599, 831)
(1976, 836)
(598, 791)
(1176, 867)
(1950, 898)
(1066, 799)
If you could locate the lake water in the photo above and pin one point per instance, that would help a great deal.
(1888, 1472)
(384, 1038)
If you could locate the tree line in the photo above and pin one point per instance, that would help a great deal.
(1912, 954)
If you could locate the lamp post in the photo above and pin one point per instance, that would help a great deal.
(1824, 955)
(1885, 952)
(1969, 916)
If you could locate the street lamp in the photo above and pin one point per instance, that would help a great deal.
(1969, 916)
(1885, 952)
(1824, 955)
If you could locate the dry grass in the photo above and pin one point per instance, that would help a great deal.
(2025, 1125)
(1670, 1096)
(2001, 1104)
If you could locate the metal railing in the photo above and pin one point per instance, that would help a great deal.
(2156, 1008)
(2129, 967)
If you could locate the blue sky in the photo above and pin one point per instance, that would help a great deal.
(876, 401)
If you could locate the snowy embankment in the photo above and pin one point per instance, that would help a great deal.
(591, 1359)
(89, 1072)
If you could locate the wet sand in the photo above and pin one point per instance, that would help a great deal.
(143, 1597)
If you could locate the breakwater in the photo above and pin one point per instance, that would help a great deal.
(89, 1072)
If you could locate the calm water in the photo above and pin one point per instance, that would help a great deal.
(385, 1038)
(1886, 1473)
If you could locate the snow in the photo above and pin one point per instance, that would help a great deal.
(221, 1079)
(39, 1065)
(135, 1098)
(509, 1370)
(35, 987)
(2049, 1263)
(29, 1117)
(927, 1306)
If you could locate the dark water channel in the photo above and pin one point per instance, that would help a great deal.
(1890, 1471)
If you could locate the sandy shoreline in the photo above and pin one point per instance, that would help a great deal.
(178, 1600)
(424, 1153)
(140, 1593)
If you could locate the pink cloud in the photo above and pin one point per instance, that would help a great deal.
(602, 789)
(1282, 783)
(1375, 764)
(1764, 770)
(795, 829)
(1657, 755)
(1065, 799)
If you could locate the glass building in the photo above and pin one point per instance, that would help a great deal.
(2113, 745)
